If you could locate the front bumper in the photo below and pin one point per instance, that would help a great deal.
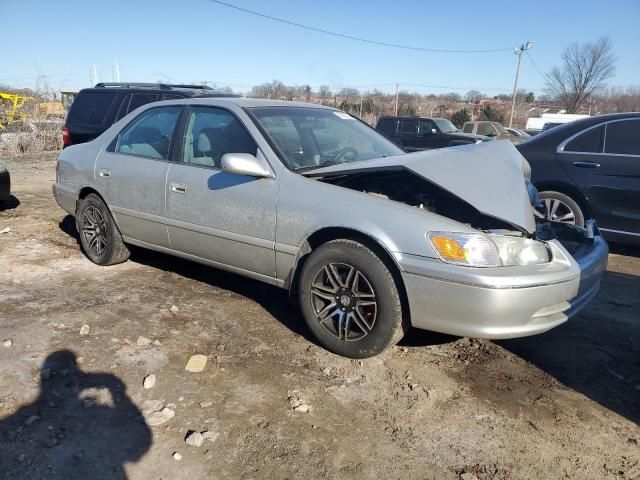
(503, 303)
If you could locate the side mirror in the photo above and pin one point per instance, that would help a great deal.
(246, 164)
(434, 131)
(492, 134)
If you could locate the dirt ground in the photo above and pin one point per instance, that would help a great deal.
(565, 404)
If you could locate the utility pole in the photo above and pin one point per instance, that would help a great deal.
(361, 107)
(397, 90)
(518, 51)
(94, 74)
(116, 72)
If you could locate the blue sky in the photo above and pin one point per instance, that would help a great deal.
(197, 40)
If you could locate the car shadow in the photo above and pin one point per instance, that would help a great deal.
(274, 300)
(82, 425)
(10, 203)
(596, 353)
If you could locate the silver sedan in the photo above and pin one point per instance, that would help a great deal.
(370, 240)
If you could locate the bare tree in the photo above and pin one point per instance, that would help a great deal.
(585, 69)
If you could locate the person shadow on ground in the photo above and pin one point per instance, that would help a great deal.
(82, 425)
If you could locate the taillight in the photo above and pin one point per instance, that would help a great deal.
(66, 138)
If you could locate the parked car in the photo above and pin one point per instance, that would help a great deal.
(421, 133)
(490, 129)
(95, 109)
(550, 125)
(5, 184)
(367, 238)
(22, 135)
(590, 168)
(518, 132)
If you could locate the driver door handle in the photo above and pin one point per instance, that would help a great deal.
(178, 187)
(104, 172)
(586, 164)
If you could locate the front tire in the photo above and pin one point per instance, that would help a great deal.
(99, 236)
(350, 300)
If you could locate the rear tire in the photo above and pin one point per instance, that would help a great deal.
(560, 207)
(99, 236)
(350, 300)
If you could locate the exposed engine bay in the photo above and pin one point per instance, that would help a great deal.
(404, 186)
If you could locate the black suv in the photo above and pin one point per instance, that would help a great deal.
(420, 133)
(96, 109)
(590, 168)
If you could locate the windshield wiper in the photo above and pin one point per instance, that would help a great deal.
(326, 163)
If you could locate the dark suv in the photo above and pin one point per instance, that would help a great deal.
(96, 109)
(421, 133)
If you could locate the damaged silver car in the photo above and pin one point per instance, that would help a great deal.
(368, 239)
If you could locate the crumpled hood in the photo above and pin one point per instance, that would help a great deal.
(490, 176)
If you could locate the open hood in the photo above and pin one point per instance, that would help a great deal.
(490, 176)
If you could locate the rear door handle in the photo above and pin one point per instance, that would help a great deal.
(586, 164)
(105, 173)
(178, 187)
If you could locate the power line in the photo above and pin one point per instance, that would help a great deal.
(544, 77)
(349, 37)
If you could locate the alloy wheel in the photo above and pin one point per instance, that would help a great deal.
(94, 230)
(344, 301)
(556, 210)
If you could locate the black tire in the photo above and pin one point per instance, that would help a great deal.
(373, 327)
(570, 203)
(99, 236)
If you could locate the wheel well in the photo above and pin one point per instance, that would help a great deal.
(569, 190)
(325, 235)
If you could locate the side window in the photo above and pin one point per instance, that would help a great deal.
(623, 137)
(426, 127)
(386, 126)
(587, 142)
(150, 134)
(122, 111)
(409, 126)
(468, 128)
(212, 132)
(485, 129)
(139, 99)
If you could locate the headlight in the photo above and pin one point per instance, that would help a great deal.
(478, 250)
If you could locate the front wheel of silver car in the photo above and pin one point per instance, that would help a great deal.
(99, 236)
(350, 300)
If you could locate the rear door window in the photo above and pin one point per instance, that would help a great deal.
(150, 134)
(90, 108)
(387, 126)
(589, 141)
(139, 99)
(623, 138)
(468, 128)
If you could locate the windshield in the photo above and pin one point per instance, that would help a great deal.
(445, 126)
(308, 138)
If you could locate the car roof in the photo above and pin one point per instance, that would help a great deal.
(557, 134)
(159, 88)
(242, 102)
(410, 117)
